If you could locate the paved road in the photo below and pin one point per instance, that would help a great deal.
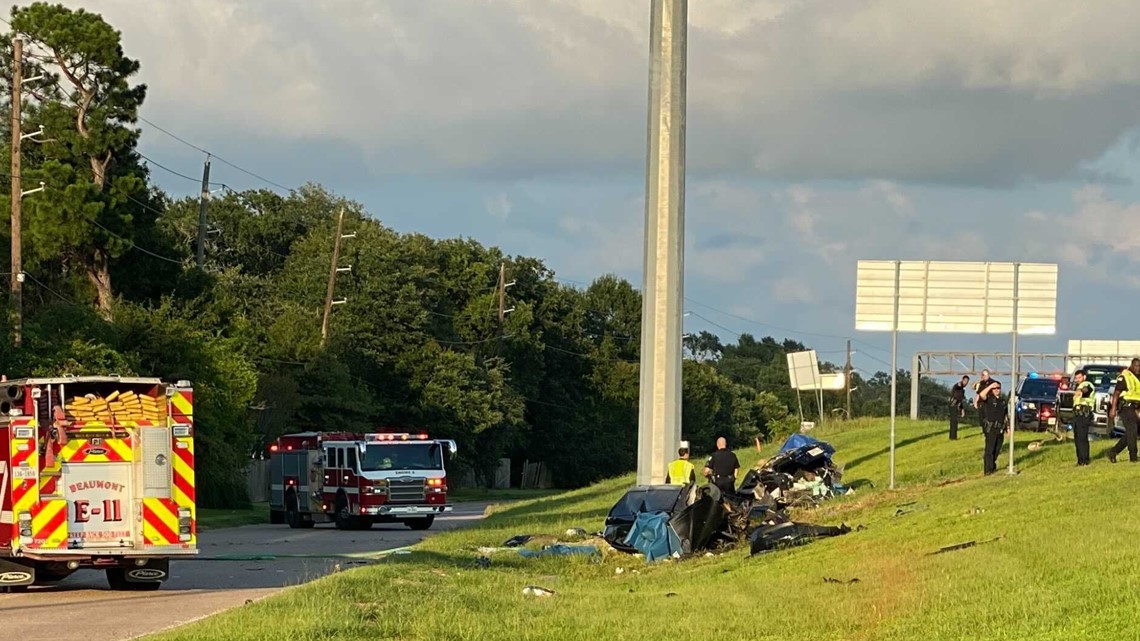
(202, 587)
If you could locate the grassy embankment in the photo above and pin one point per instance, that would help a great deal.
(1067, 565)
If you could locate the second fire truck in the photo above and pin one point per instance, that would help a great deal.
(356, 480)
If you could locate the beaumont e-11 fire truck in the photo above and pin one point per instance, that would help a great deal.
(356, 480)
(96, 472)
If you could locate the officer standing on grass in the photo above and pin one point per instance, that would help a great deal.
(1084, 395)
(722, 466)
(993, 412)
(957, 405)
(1126, 401)
(982, 383)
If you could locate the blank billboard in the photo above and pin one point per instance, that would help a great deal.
(955, 297)
(803, 370)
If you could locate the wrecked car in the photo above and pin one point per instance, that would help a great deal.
(671, 520)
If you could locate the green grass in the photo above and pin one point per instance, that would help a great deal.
(469, 494)
(210, 519)
(1067, 566)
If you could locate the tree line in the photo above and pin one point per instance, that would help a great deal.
(112, 286)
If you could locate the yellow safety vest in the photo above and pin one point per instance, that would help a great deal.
(680, 471)
(1088, 395)
(1132, 389)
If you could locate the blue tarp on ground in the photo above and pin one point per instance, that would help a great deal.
(796, 441)
(652, 536)
(560, 550)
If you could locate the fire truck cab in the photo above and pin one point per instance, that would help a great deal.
(96, 472)
(356, 480)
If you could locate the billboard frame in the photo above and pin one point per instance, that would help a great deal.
(963, 318)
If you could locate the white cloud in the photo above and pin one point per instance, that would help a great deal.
(498, 206)
(962, 92)
(792, 290)
(1098, 229)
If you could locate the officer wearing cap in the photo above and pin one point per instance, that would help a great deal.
(993, 413)
(1084, 396)
(1126, 403)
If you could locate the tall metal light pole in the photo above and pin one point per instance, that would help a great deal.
(659, 418)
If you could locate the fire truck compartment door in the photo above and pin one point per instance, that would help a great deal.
(100, 509)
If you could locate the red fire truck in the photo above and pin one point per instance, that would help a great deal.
(356, 480)
(95, 473)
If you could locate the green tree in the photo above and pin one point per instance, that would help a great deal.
(96, 183)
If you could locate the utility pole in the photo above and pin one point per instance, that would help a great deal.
(659, 404)
(333, 269)
(847, 378)
(17, 193)
(503, 309)
(205, 196)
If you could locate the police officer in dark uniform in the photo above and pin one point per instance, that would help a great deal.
(1126, 403)
(993, 412)
(722, 466)
(957, 405)
(983, 381)
(1084, 396)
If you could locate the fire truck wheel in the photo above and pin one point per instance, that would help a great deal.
(117, 579)
(293, 516)
(343, 518)
(420, 524)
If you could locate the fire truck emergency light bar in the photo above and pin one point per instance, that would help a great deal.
(396, 437)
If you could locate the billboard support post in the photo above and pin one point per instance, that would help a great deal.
(1014, 368)
(943, 297)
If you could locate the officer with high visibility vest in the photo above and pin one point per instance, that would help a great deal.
(1126, 404)
(681, 471)
(1084, 396)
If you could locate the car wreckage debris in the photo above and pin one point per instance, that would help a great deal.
(670, 521)
(964, 546)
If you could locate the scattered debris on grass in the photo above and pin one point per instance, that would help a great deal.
(850, 581)
(517, 541)
(964, 546)
(534, 590)
(790, 534)
(560, 549)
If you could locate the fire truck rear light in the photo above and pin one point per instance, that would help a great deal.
(184, 537)
(272, 448)
(182, 430)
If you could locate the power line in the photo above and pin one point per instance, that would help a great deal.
(136, 246)
(57, 294)
(216, 156)
(196, 181)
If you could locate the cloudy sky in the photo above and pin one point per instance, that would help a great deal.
(819, 133)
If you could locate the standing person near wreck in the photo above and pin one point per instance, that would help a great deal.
(993, 412)
(957, 405)
(1126, 401)
(722, 466)
(681, 471)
